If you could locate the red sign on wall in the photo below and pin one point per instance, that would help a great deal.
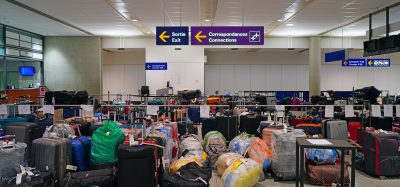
(42, 91)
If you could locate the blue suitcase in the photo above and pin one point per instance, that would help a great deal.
(81, 153)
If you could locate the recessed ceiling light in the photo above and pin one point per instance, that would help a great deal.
(135, 20)
(289, 24)
(207, 19)
(279, 20)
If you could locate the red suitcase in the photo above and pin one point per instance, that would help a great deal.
(353, 129)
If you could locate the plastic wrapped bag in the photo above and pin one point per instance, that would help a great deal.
(240, 143)
(321, 156)
(177, 164)
(59, 130)
(225, 160)
(214, 137)
(105, 141)
(259, 152)
(193, 145)
(242, 173)
(284, 153)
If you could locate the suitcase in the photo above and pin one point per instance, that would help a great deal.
(194, 114)
(284, 155)
(52, 155)
(326, 174)
(101, 178)
(81, 153)
(385, 123)
(309, 128)
(3, 122)
(137, 166)
(208, 125)
(24, 132)
(185, 127)
(266, 136)
(381, 154)
(228, 126)
(10, 160)
(250, 124)
(93, 128)
(353, 129)
(335, 129)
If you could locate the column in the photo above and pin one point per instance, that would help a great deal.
(314, 66)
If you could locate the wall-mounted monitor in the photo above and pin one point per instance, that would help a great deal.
(26, 70)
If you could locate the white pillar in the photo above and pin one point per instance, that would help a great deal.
(314, 66)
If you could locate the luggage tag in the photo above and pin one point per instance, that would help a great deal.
(72, 168)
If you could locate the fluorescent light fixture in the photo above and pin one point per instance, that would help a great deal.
(207, 19)
(290, 24)
(135, 20)
(279, 20)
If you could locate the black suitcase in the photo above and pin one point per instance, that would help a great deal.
(137, 166)
(381, 154)
(250, 124)
(10, 161)
(93, 128)
(185, 127)
(52, 155)
(385, 123)
(228, 126)
(208, 125)
(24, 132)
(101, 178)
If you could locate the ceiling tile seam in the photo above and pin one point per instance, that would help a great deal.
(14, 2)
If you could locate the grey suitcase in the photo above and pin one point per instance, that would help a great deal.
(335, 129)
(25, 132)
(10, 160)
(52, 155)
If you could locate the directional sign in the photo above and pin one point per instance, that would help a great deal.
(382, 62)
(227, 35)
(362, 62)
(354, 62)
(156, 66)
(172, 35)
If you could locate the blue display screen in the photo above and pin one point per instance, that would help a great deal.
(26, 70)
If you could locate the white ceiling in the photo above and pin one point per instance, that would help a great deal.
(98, 17)
(18, 17)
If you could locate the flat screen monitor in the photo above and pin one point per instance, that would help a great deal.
(26, 70)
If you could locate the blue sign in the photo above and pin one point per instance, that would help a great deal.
(172, 35)
(156, 66)
(383, 62)
(354, 62)
(335, 56)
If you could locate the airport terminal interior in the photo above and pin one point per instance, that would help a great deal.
(199, 93)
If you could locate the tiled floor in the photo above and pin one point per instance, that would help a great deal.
(362, 180)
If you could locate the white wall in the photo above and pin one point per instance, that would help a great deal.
(185, 68)
(123, 72)
(234, 78)
(122, 79)
(73, 63)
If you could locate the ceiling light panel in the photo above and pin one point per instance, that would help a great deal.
(92, 15)
(322, 15)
